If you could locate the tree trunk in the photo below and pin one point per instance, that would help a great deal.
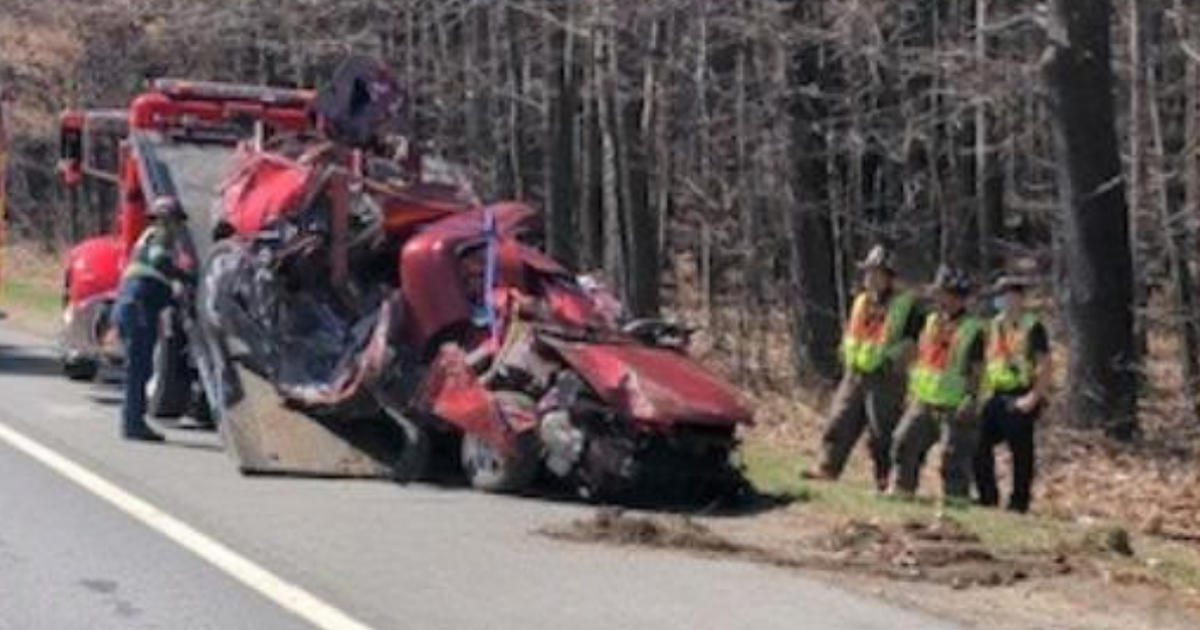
(609, 115)
(563, 97)
(1102, 391)
(640, 220)
(1139, 198)
(515, 86)
(989, 182)
(816, 327)
(591, 205)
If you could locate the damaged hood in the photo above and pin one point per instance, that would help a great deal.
(657, 386)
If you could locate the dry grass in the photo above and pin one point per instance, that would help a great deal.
(31, 289)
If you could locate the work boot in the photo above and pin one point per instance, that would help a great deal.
(820, 473)
(144, 434)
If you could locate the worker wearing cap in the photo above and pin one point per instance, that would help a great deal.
(1016, 381)
(146, 289)
(876, 346)
(941, 389)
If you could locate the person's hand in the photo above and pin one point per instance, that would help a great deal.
(1028, 402)
(965, 412)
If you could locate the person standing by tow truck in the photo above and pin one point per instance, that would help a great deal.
(1016, 381)
(876, 348)
(147, 288)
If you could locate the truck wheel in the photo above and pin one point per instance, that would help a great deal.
(490, 470)
(80, 368)
(169, 392)
(199, 411)
(412, 463)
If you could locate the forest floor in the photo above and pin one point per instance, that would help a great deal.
(1113, 541)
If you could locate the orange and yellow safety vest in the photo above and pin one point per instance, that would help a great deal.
(1009, 367)
(874, 335)
(940, 374)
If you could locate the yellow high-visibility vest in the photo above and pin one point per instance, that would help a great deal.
(1008, 366)
(149, 254)
(939, 377)
(869, 341)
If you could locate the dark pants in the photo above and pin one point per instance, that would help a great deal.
(1003, 423)
(863, 402)
(139, 304)
(920, 428)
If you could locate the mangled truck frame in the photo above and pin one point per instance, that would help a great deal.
(358, 307)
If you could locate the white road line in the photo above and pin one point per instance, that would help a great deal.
(287, 595)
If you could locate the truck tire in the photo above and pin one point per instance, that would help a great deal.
(169, 392)
(199, 411)
(489, 470)
(412, 463)
(80, 368)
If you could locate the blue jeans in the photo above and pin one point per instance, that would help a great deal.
(139, 304)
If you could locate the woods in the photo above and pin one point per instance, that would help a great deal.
(727, 162)
(1098, 291)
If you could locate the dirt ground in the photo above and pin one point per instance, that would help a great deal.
(935, 566)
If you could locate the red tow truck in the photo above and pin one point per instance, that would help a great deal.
(175, 139)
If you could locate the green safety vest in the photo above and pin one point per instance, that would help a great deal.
(939, 377)
(867, 344)
(150, 255)
(1008, 367)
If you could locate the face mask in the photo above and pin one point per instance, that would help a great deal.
(1000, 302)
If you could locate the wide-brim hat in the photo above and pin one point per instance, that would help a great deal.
(951, 280)
(1013, 282)
(878, 258)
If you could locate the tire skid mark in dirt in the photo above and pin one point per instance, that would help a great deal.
(940, 551)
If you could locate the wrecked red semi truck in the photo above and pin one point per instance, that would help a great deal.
(361, 309)
(174, 139)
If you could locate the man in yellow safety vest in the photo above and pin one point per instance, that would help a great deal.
(876, 346)
(941, 388)
(1016, 382)
(147, 288)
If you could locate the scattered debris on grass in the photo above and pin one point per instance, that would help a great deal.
(940, 551)
(614, 526)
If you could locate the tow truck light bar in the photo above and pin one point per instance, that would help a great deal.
(207, 90)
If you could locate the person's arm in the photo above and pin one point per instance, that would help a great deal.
(974, 377)
(916, 322)
(909, 337)
(1043, 374)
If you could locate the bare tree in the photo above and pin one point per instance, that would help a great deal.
(1099, 292)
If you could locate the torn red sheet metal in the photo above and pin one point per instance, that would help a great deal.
(453, 393)
(657, 386)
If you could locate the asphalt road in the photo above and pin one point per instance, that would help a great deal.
(418, 556)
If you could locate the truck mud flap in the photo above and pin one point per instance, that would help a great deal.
(266, 436)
